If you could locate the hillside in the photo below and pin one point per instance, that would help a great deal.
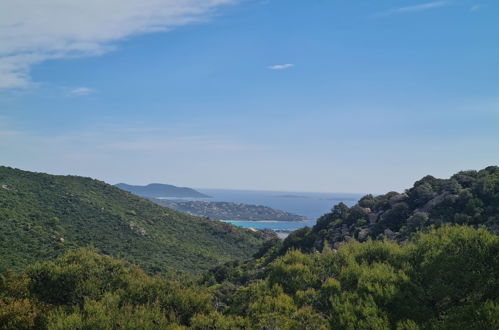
(229, 211)
(466, 198)
(43, 215)
(445, 279)
(161, 190)
(439, 278)
(469, 198)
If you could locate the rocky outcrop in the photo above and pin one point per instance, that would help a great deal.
(392, 236)
(398, 198)
(362, 235)
(434, 201)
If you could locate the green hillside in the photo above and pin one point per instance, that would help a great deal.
(445, 279)
(42, 215)
(469, 198)
(439, 278)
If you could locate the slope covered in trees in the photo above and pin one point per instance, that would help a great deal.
(42, 215)
(444, 279)
(467, 198)
(434, 275)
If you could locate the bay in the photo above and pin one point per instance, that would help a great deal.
(309, 204)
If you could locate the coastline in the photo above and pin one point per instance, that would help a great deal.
(281, 228)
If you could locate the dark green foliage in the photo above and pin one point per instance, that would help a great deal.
(85, 290)
(467, 198)
(441, 277)
(444, 279)
(42, 215)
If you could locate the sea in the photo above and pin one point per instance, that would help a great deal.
(308, 204)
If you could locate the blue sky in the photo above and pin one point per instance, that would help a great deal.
(337, 96)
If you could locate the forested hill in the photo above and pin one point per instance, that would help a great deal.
(444, 278)
(43, 215)
(161, 190)
(467, 198)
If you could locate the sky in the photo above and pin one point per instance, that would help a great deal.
(290, 95)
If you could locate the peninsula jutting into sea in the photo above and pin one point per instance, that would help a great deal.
(229, 211)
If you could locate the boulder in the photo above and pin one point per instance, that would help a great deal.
(390, 234)
(434, 201)
(373, 217)
(363, 234)
(398, 198)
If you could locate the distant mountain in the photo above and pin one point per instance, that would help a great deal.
(42, 215)
(161, 190)
(230, 211)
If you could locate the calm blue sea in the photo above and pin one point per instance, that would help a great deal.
(310, 205)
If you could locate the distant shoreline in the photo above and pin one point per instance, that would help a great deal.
(269, 221)
(230, 210)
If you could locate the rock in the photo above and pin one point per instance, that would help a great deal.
(363, 234)
(367, 210)
(336, 245)
(138, 230)
(398, 198)
(373, 217)
(434, 201)
(61, 240)
(390, 234)
(347, 238)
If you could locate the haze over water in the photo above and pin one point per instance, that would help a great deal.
(310, 205)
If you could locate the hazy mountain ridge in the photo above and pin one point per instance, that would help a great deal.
(43, 215)
(161, 190)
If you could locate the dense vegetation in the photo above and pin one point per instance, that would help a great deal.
(445, 279)
(428, 259)
(229, 211)
(161, 190)
(42, 215)
(467, 198)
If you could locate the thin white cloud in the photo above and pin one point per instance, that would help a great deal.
(476, 8)
(32, 31)
(195, 144)
(414, 9)
(81, 91)
(281, 66)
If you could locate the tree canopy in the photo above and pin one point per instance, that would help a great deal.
(444, 279)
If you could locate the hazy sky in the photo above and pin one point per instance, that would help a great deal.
(298, 95)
